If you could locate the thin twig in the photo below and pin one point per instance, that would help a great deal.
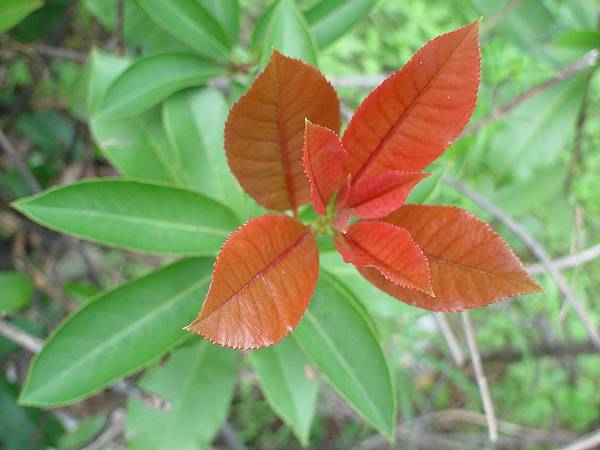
(359, 81)
(568, 261)
(58, 52)
(120, 10)
(453, 345)
(230, 437)
(588, 60)
(124, 387)
(112, 432)
(14, 156)
(536, 248)
(590, 441)
(558, 349)
(486, 399)
(20, 337)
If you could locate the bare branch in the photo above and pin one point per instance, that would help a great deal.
(588, 60)
(451, 341)
(20, 337)
(567, 261)
(486, 399)
(536, 248)
(590, 441)
(359, 81)
(230, 437)
(120, 13)
(112, 432)
(541, 350)
(14, 156)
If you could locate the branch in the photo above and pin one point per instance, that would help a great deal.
(457, 353)
(540, 350)
(588, 60)
(110, 433)
(14, 156)
(124, 387)
(537, 249)
(588, 442)
(20, 337)
(568, 261)
(486, 399)
(120, 12)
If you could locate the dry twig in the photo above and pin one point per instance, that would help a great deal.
(568, 261)
(453, 345)
(486, 399)
(536, 248)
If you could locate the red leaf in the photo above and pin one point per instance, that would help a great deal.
(261, 285)
(471, 266)
(264, 131)
(389, 249)
(410, 119)
(381, 194)
(323, 159)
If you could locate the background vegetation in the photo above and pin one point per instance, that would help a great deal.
(528, 164)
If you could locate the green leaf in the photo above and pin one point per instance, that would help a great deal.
(137, 146)
(13, 11)
(426, 190)
(582, 40)
(133, 215)
(17, 426)
(191, 23)
(227, 13)
(153, 78)
(338, 338)
(534, 134)
(89, 90)
(194, 120)
(199, 382)
(331, 19)
(287, 31)
(17, 291)
(117, 334)
(281, 371)
(85, 432)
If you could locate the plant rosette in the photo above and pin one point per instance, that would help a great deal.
(282, 144)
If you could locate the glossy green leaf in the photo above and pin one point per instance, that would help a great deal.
(88, 93)
(534, 134)
(338, 338)
(16, 291)
(190, 22)
(286, 30)
(13, 11)
(331, 19)
(227, 13)
(117, 334)
(282, 372)
(138, 147)
(199, 382)
(17, 425)
(153, 78)
(135, 215)
(193, 120)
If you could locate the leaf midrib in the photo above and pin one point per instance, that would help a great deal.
(345, 364)
(132, 219)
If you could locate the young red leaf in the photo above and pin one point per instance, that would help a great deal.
(381, 194)
(389, 249)
(323, 159)
(265, 130)
(410, 119)
(262, 282)
(471, 266)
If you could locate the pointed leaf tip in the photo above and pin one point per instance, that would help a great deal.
(390, 250)
(262, 282)
(425, 105)
(323, 159)
(471, 265)
(264, 130)
(383, 193)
